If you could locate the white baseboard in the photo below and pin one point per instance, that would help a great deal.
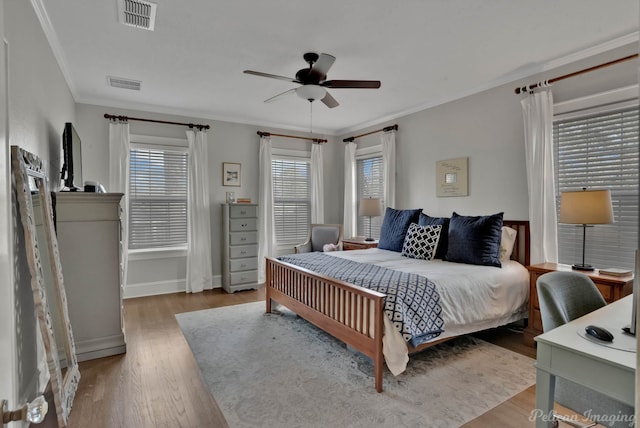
(100, 347)
(162, 287)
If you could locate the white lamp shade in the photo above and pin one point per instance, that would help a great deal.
(586, 207)
(370, 207)
(311, 92)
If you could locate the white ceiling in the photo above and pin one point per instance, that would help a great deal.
(425, 52)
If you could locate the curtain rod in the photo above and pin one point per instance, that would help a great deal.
(385, 129)
(315, 140)
(190, 125)
(527, 88)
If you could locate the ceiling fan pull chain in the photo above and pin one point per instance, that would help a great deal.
(311, 116)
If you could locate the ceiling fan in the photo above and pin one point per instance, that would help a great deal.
(313, 80)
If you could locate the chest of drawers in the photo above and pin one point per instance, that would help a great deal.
(239, 247)
(612, 288)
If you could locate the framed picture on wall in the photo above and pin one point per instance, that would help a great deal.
(231, 174)
(452, 177)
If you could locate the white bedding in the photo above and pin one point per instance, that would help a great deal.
(473, 298)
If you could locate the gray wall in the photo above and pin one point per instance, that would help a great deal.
(486, 127)
(39, 104)
(228, 142)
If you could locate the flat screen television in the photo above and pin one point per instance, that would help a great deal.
(72, 162)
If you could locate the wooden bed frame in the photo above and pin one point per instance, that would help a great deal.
(350, 313)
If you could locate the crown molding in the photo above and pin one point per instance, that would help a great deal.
(45, 22)
(195, 114)
(54, 42)
(508, 78)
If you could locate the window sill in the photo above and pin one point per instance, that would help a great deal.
(157, 253)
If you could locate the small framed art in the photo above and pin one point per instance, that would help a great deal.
(231, 174)
(452, 177)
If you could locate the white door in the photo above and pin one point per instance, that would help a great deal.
(8, 366)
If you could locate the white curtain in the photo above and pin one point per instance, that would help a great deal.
(388, 140)
(350, 203)
(199, 274)
(119, 145)
(537, 110)
(266, 239)
(317, 184)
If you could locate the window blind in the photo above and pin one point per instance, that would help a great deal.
(370, 185)
(157, 198)
(600, 151)
(291, 199)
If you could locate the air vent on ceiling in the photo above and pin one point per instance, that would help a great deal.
(137, 13)
(119, 82)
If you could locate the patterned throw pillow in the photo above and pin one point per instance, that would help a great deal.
(421, 241)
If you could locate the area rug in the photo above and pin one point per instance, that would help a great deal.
(277, 370)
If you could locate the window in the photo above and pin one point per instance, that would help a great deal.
(370, 182)
(291, 199)
(599, 149)
(157, 198)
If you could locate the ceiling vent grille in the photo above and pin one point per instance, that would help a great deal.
(119, 82)
(137, 13)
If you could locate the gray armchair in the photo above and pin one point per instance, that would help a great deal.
(319, 236)
(563, 297)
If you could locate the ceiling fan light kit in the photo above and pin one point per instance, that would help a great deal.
(314, 80)
(311, 92)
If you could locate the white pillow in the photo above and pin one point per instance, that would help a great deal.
(421, 242)
(506, 244)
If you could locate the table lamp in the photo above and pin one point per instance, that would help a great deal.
(370, 207)
(585, 207)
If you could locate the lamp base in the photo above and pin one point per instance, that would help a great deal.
(369, 239)
(582, 267)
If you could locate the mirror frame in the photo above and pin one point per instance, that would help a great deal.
(26, 166)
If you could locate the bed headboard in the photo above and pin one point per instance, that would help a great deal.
(521, 247)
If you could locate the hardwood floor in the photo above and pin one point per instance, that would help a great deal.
(157, 382)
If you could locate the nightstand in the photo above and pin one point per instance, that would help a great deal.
(358, 244)
(611, 287)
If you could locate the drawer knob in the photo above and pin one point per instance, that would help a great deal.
(243, 212)
(243, 239)
(243, 252)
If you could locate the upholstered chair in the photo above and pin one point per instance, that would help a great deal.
(319, 236)
(563, 297)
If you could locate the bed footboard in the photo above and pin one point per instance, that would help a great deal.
(349, 313)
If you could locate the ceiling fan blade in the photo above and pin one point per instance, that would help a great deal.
(271, 76)
(353, 84)
(282, 94)
(322, 66)
(329, 101)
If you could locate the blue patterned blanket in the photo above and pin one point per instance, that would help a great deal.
(412, 302)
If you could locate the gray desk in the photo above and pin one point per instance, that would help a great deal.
(564, 352)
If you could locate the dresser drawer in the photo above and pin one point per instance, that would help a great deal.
(243, 251)
(243, 264)
(241, 224)
(241, 211)
(244, 277)
(240, 238)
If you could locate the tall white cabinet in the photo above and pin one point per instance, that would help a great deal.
(239, 247)
(88, 231)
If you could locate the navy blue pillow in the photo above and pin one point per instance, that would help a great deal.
(475, 240)
(443, 243)
(394, 228)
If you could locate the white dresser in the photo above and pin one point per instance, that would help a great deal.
(88, 231)
(239, 247)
